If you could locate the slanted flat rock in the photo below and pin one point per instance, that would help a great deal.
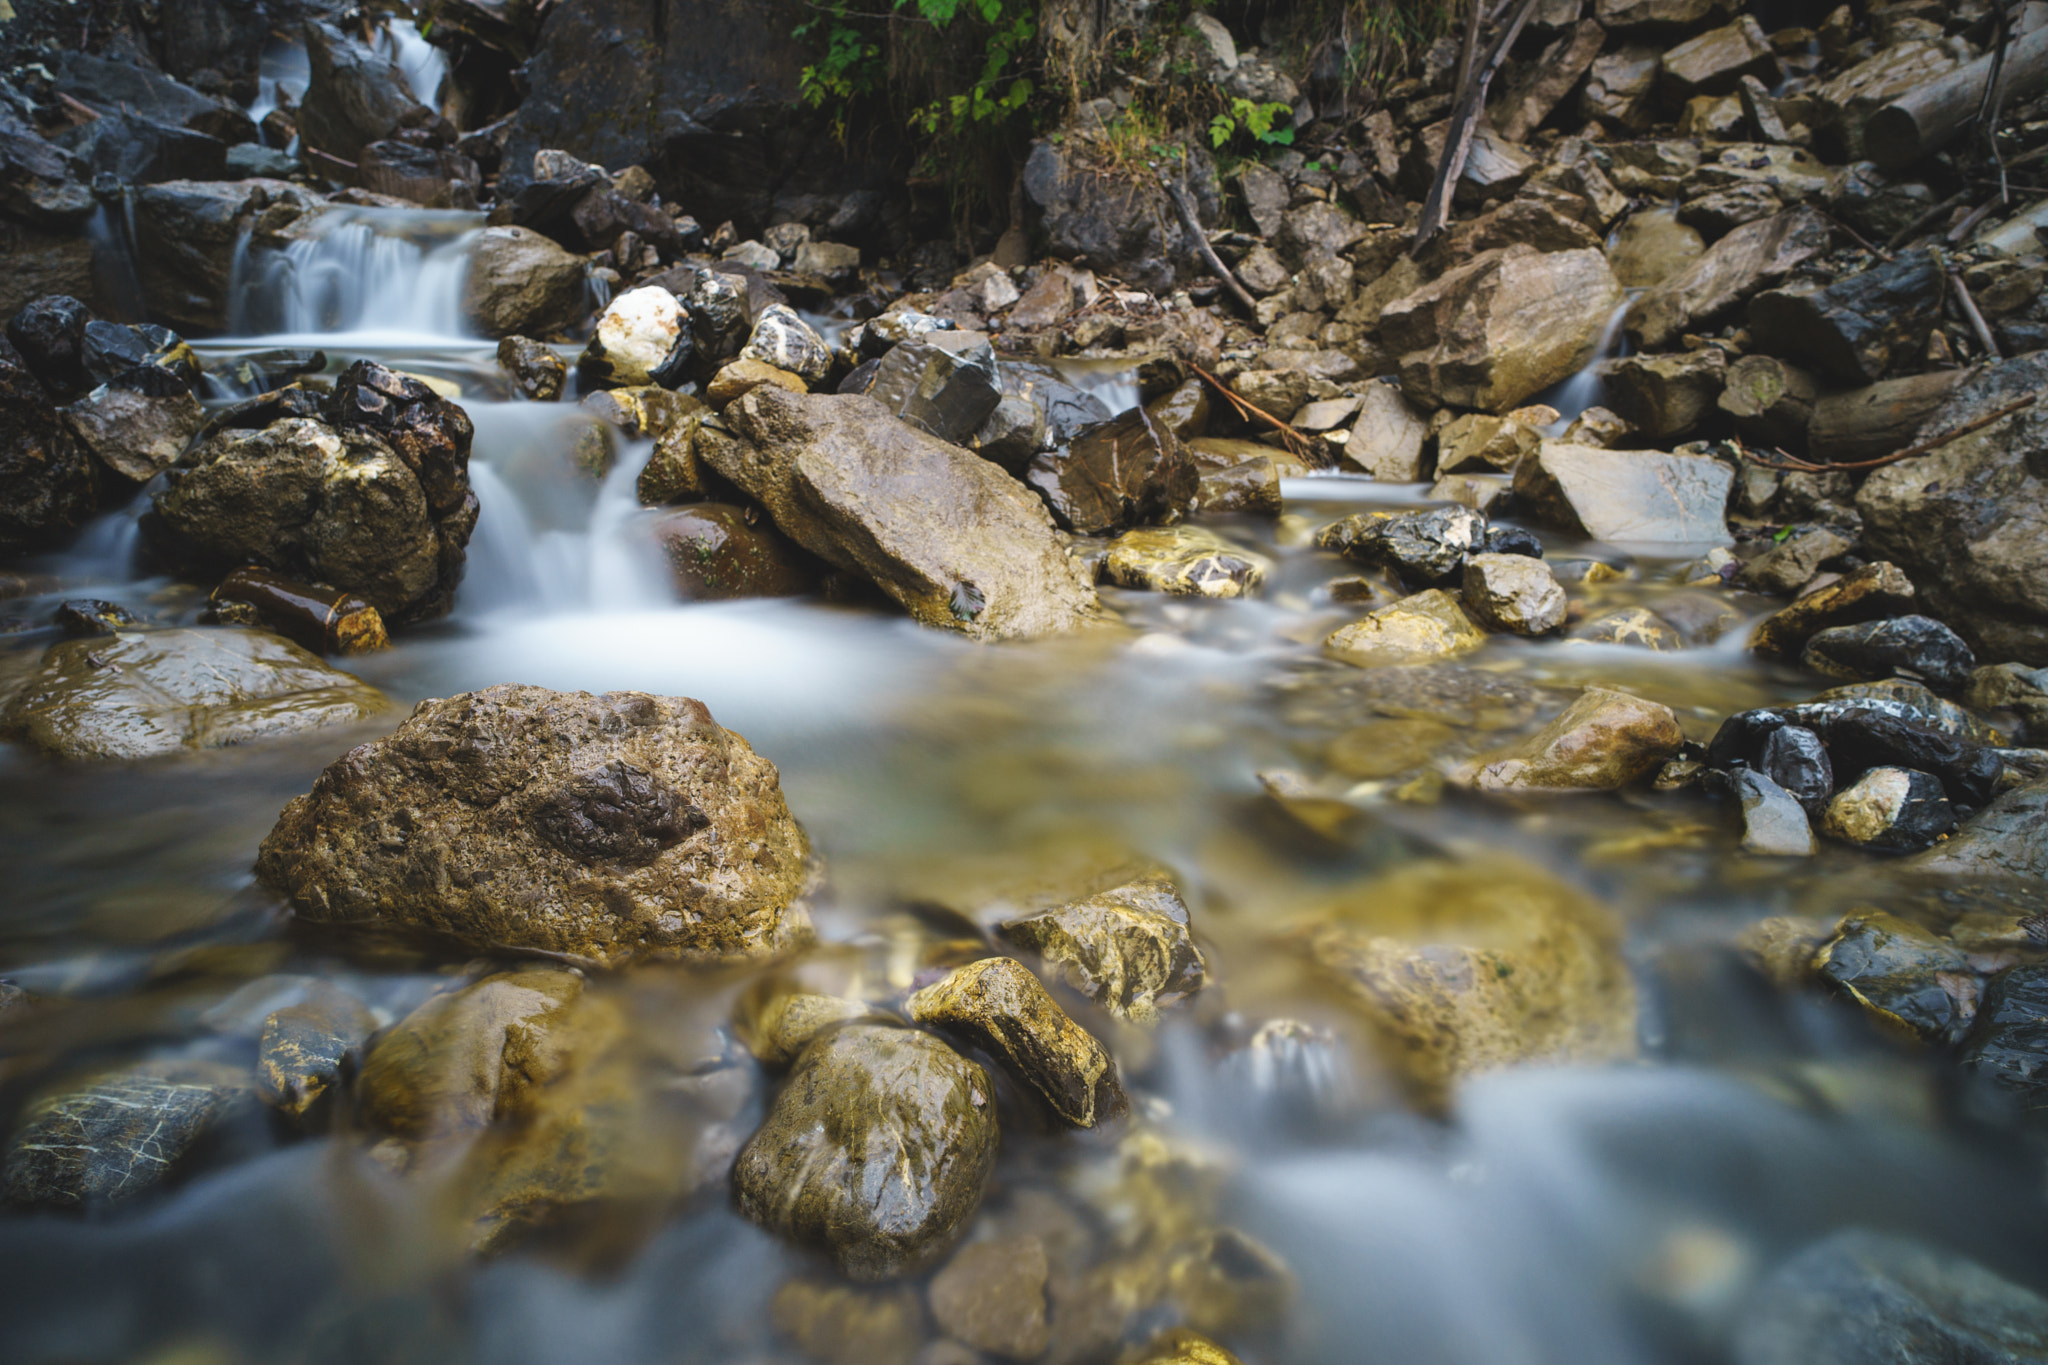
(1628, 496)
(999, 1005)
(1754, 256)
(2009, 837)
(136, 694)
(874, 1152)
(613, 828)
(1873, 591)
(958, 542)
(1419, 629)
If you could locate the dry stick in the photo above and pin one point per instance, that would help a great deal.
(1960, 233)
(1976, 318)
(1296, 442)
(1792, 462)
(1993, 100)
(1178, 193)
(1926, 220)
(1873, 248)
(1436, 212)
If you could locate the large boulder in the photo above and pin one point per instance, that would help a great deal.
(607, 828)
(48, 487)
(959, 543)
(1628, 496)
(1121, 225)
(354, 96)
(1126, 472)
(187, 235)
(1969, 521)
(875, 1152)
(137, 694)
(1500, 328)
(522, 284)
(375, 501)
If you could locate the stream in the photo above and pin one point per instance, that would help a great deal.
(1594, 1214)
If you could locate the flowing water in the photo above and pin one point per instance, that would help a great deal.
(1614, 1213)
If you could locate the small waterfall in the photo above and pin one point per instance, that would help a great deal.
(1588, 387)
(424, 66)
(1113, 383)
(285, 69)
(390, 274)
(113, 263)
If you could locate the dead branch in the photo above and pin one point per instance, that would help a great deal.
(1184, 206)
(1436, 211)
(1794, 463)
(1299, 444)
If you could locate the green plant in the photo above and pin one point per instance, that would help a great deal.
(1262, 121)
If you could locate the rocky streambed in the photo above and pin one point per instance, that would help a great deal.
(581, 786)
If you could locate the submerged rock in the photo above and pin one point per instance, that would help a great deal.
(1603, 741)
(843, 1324)
(112, 1138)
(875, 1151)
(536, 370)
(1131, 949)
(959, 543)
(1419, 629)
(2008, 1040)
(1899, 972)
(300, 1054)
(1183, 1347)
(137, 694)
(715, 553)
(991, 1296)
(611, 828)
(1186, 561)
(998, 1005)
(1863, 1297)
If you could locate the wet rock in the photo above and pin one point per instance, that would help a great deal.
(1914, 645)
(998, 1005)
(1387, 439)
(1795, 759)
(1126, 472)
(1186, 561)
(87, 616)
(521, 283)
(49, 333)
(777, 1021)
(537, 372)
(1873, 591)
(2009, 837)
(1773, 823)
(131, 434)
(1248, 486)
(1499, 328)
(959, 543)
(432, 177)
(874, 1152)
(144, 693)
(187, 235)
(1628, 496)
(642, 337)
(150, 360)
(2008, 1039)
(944, 384)
(113, 1137)
(1851, 332)
(48, 487)
(1865, 1296)
(430, 434)
(842, 1324)
(1468, 968)
(1653, 246)
(716, 552)
(333, 506)
(1753, 257)
(1427, 626)
(784, 340)
(1664, 397)
(1890, 810)
(1636, 627)
(991, 1296)
(2017, 690)
(1513, 592)
(353, 95)
(1014, 431)
(1603, 741)
(744, 375)
(1183, 1347)
(1791, 563)
(612, 828)
(1895, 970)
(1130, 949)
(468, 1057)
(300, 1054)
(1423, 547)
(1965, 520)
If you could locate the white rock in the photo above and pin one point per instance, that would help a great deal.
(637, 332)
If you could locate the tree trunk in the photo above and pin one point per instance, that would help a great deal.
(1870, 423)
(1923, 120)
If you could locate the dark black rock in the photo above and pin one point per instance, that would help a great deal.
(717, 303)
(2008, 1041)
(1891, 810)
(1794, 758)
(1128, 472)
(1425, 548)
(42, 184)
(108, 1140)
(618, 814)
(1739, 743)
(147, 359)
(1915, 645)
(944, 383)
(539, 373)
(860, 378)
(92, 616)
(50, 334)
(254, 414)
(141, 151)
(1862, 1298)
(1513, 540)
(48, 483)
(1069, 410)
(1853, 330)
(1867, 733)
(1894, 968)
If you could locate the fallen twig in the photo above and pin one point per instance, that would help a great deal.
(1178, 193)
(1436, 210)
(1975, 318)
(1797, 465)
(1873, 248)
(1297, 443)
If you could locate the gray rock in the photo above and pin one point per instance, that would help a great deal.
(944, 383)
(610, 828)
(1628, 496)
(1773, 823)
(786, 341)
(1863, 1298)
(353, 96)
(1513, 593)
(112, 1138)
(959, 543)
(134, 435)
(1794, 759)
(1425, 548)
(1791, 563)
(875, 1151)
(2009, 837)
(1913, 645)
(521, 283)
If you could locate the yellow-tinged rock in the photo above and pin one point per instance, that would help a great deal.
(1603, 741)
(1427, 626)
(744, 376)
(1000, 1006)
